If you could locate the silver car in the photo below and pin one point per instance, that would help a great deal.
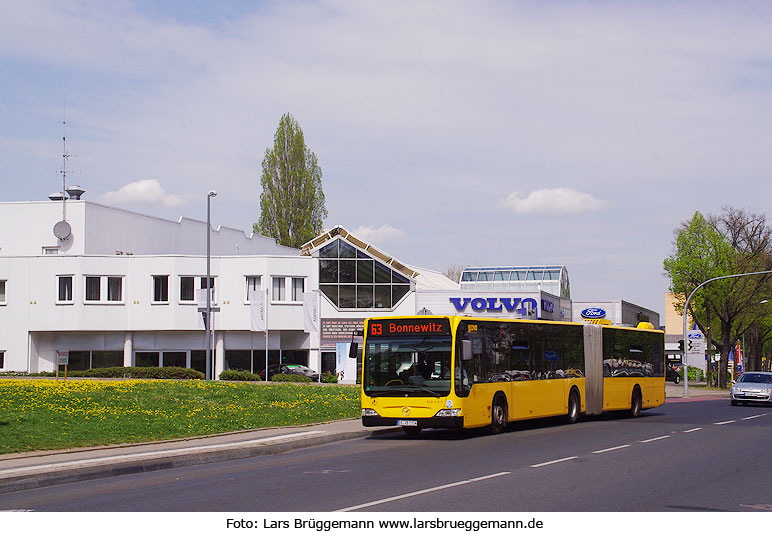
(752, 387)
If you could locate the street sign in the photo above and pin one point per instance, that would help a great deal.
(62, 358)
(696, 343)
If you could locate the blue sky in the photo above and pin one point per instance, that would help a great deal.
(576, 133)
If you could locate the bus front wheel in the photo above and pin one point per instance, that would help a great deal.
(636, 403)
(498, 416)
(573, 408)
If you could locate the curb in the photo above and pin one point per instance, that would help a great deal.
(20, 479)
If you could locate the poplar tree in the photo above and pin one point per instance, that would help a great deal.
(292, 202)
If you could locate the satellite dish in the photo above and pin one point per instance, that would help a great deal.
(62, 230)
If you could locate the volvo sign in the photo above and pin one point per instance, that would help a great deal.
(523, 306)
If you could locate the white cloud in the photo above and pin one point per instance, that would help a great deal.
(378, 235)
(563, 199)
(145, 191)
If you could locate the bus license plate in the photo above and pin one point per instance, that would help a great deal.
(407, 423)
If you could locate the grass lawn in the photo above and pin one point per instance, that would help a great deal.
(46, 414)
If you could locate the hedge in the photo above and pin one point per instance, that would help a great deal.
(329, 378)
(156, 373)
(240, 375)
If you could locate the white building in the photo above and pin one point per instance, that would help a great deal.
(122, 288)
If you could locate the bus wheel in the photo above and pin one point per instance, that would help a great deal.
(412, 431)
(498, 416)
(573, 408)
(636, 403)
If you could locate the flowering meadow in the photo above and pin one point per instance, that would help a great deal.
(49, 414)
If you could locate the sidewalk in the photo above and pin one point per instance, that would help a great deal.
(673, 391)
(21, 471)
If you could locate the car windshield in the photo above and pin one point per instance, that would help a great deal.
(414, 366)
(755, 378)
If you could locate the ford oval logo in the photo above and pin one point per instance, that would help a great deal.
(593, 312)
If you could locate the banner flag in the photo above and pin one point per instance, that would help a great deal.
(311, 312)
(257, 309)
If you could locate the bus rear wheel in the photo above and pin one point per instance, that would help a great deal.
(498, 416)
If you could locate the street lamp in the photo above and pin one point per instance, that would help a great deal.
(208, 324)
(686, 306)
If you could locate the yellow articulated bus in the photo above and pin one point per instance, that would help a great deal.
(463, 372)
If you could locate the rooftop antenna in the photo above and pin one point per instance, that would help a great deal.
(62, 229)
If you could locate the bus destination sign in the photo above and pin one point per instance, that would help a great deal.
(409, 326)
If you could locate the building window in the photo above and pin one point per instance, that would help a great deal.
(147, 359)
(2, 359)
(211, 287)
(93, 288)
(351, 279)
(65, 289)
(95, 284)
(187, 289)
(115, 289)
(278, 291)
(160, 288)
(50, 250)
(2, 291)
(298, 287)
(253, 286)
(281, 285)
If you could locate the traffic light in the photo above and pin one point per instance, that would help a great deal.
(681, 345)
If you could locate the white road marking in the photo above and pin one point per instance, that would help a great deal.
(694, 429)
(654, 439)
(419, 492)
(552, 462)
(134, 457)
(611, 449)
(752, 417)
(724, 422)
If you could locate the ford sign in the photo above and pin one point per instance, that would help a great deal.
(593, 312)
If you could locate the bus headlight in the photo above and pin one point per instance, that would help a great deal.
(448, 412)
(369, 412)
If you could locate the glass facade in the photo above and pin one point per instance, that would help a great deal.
(351, 279)
(550, 279)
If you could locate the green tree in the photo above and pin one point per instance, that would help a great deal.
(292, 202)
(732, 243)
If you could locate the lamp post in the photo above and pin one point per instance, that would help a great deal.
(686, 307)
(208, 324)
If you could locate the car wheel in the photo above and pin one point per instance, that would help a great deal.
(733, 402)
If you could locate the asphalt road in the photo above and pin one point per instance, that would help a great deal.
(688, 455)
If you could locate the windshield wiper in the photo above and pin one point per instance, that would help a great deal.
(422, 388)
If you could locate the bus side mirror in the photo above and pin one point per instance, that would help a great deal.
(357, 338)
(466, 350)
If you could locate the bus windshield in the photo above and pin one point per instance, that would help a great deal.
(408, 366)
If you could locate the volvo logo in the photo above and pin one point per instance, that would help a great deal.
(524, 306)
(593, 312)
